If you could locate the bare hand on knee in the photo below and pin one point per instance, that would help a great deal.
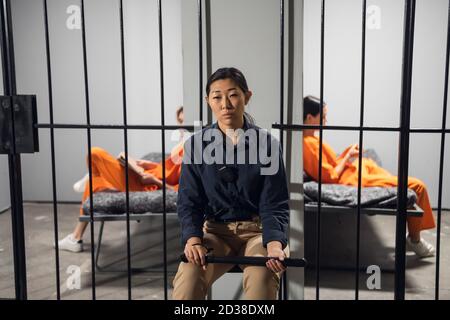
(195, 252)
(275, 250)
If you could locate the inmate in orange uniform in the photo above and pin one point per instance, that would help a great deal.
(108, 173)
(372, 176)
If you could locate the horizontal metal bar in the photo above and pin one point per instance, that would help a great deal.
(370, 211)
(123, 217)
(300, 127)
(431, 130)
(290, 127)
(112, 126)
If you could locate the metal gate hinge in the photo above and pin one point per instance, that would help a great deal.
(21, 111)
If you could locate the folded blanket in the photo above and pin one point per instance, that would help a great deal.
(139, 202)
(342, 195)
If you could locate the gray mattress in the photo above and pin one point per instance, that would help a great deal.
(341, 195)
(139, 202)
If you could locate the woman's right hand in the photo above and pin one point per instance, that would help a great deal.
(148, 178)
(354, 151)
(145, 164)
(195, 252)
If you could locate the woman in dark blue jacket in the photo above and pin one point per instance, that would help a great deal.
(233, 197)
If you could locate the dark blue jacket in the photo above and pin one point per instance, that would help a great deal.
(205, 194)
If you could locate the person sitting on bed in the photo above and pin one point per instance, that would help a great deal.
(343, 169)
(108, 175)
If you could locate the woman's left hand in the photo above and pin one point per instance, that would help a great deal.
(275, 250)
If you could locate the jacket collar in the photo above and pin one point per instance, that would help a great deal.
(246, 126)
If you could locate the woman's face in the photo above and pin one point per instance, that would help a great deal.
(315, 120)
(227, 100)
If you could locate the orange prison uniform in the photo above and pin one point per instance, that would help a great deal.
(108, 173)
(372, 176)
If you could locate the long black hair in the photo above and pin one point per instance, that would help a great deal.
(311, 105)
(237, 76)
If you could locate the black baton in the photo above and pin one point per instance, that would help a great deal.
(254, 261)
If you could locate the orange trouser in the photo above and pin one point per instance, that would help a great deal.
(375, 176)
(243, 238)
(109, 174)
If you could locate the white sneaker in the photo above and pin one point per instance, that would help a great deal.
(69, 243)
(80, 185)
(422, 248)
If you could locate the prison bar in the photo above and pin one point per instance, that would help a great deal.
(14, 162)
(52, 149)
(300, 127)
(88, 122)
(125, 142)
(319, 199)
(163, 143)
(200, 59)
(282, 31)
(403, 161)
(441, 160)
(361, 145)
(111, 126)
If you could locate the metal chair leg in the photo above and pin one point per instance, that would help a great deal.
(97, 248)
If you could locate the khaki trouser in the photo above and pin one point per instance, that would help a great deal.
(241, 238)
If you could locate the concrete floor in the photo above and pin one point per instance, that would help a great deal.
(147, 246)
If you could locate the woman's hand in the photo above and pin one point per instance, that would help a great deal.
(275, 250)
(145, 164)
(148, 178)
(195, 252)
(354, 151)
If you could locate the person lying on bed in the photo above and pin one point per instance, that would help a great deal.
(108, 175)
(343, 169)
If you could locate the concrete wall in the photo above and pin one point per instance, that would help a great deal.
(342, 85)
(105, 86)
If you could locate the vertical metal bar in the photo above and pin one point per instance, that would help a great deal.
(408, 44)
(125, 142)
(208, 48)
(281, 70)
(361, 136)
(441, 162)
(200, 59)
(163, 143)
(52, 150)
(290, 104)
(88, 122)
(282, 20)
(15, 171)
(319, 211)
